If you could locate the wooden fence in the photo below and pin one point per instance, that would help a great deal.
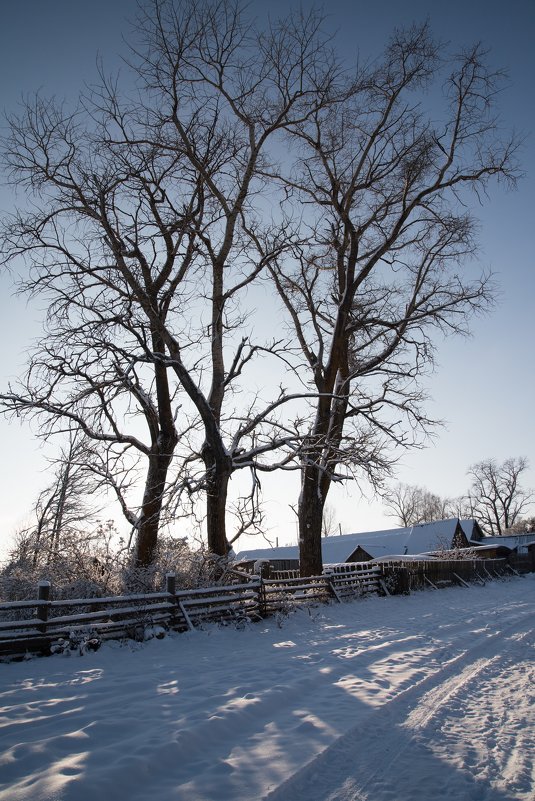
(40, 624)
(403, 576)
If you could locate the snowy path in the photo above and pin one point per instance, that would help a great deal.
(428, 697)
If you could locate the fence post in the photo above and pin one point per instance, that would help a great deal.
(43, 594)
(170, 583)
(262, 597)
(170, 588)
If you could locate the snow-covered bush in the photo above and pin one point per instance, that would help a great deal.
(88, 566)
(85, 566)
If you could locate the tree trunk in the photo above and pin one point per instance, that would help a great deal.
(217, 478)
(149, 518)
(321, 461)
(164, 439)
(310, 512)
(60, 508)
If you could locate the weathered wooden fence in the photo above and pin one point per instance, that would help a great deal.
(118, 616)
(337, 581)
(522, 562)
(404, 575)
(36, 625)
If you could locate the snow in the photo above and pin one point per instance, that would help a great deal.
(408, 698)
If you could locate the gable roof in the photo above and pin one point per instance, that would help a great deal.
(391, 542)
(472, 530)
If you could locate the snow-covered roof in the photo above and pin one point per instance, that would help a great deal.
(284, 552)
(417, 557)
(413, 540)
(472, 530)
(519, 541)
(397, 541)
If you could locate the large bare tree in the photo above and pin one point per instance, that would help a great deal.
(382, 262)
(141, 238)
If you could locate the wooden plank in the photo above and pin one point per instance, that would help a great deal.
(223, 599)
(110, 612)
(357, 581)
(384, 587)
(237, 588)
(110, 599)
(12, 625)
(333, 589)
(304, 580)
(461, 580)
(9, 605)
(187, 618)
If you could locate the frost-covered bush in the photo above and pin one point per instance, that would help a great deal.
(192, 568)
(87, 565)
(84, 565)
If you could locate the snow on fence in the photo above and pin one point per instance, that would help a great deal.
(245, 597)
(117, 616)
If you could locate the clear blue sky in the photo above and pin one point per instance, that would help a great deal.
(484, 387)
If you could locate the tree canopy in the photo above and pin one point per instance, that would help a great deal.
(249, 156)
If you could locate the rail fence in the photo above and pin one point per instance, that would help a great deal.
(403, 576)
(43, 625)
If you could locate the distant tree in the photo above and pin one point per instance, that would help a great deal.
(412, 505)
(497, 498)
(461, 507)
(330, 527)
(525, 525)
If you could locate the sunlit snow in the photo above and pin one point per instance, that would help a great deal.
(416, 698)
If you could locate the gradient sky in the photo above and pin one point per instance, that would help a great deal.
(483, 387)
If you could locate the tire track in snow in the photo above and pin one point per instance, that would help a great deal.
(364, 763)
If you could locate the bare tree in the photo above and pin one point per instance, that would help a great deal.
(329, 527)
(243, 87)
(381, 262)
(142, 238)
(412, 505)
(63, 508)
(523, 525)
(496, 494)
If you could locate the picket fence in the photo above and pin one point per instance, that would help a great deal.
(43, 624)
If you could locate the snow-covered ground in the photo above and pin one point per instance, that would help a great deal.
(424, 697)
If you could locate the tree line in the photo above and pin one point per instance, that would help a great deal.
(495, 498)
(247, 158)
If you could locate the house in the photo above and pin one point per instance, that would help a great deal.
(424, 538)
(473, 531)
(420, 539)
